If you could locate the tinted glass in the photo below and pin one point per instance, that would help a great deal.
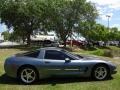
(33, 54)
(56, 55)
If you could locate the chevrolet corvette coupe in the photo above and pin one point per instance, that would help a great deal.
(49, 62)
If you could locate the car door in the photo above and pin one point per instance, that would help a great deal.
(59, 63)
(53, 62)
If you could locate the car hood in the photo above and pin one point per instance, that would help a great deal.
(91, 58)
(94, 59)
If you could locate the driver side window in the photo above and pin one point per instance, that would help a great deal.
(56, 55)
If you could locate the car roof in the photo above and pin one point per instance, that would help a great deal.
(51, 48)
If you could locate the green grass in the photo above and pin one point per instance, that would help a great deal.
(7, 83)
(110, 51)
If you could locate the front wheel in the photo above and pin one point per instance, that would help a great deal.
(27, 75)
(100, 72)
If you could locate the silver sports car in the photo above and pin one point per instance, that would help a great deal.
(49, 62)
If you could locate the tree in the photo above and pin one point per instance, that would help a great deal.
(63, 16)
(96, 32)
(23, 15)
(6, 35)
(114, 34)
(60, 16)
(18, 35)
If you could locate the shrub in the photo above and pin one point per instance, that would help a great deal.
(98, 52)
(108, 53)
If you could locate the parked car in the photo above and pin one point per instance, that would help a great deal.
(49, 62)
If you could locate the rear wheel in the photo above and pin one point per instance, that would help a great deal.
(27, 75)
(100, 72)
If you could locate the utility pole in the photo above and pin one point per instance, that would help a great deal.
(108, 16)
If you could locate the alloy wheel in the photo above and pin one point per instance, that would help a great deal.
(100, 73)
(28, 75)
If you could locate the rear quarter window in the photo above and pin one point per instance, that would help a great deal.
(33, 54)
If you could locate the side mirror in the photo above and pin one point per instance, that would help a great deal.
(67, 60)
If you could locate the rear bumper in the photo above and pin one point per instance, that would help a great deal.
(10, 72)
(10, 69)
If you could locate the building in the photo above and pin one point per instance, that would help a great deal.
(1, 37)
(43, 37)
(39, 39)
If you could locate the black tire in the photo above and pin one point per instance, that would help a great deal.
(105, 76)
(21, 71)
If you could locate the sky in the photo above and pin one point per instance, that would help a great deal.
(108, 7)
(104, 7)
(2, 28)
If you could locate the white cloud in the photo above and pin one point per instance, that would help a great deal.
(105, 2)
(100, 10)
(101, 2)
(106, 7)
(115, 25)
(104, 16)
(113, 4)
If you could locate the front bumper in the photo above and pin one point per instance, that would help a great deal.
(114, 72)
(113, 69)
